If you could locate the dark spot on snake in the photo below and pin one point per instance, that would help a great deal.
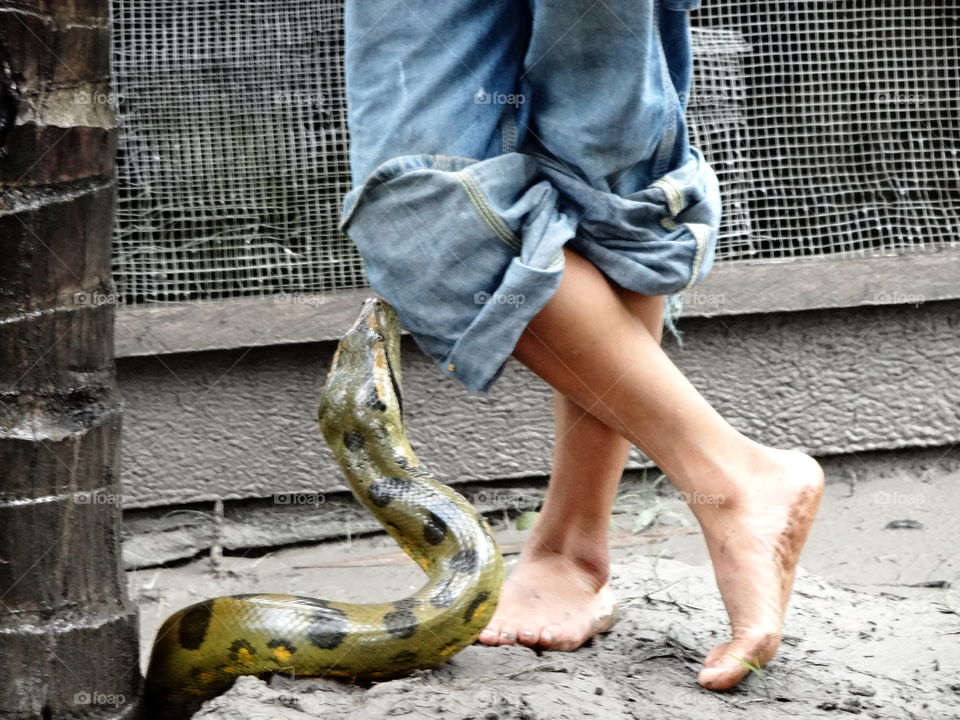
(404, 657)
(327, 628)
(373, 399)
(384, 491)
(465, 561)
(434, 529)
(444, 596)
(354, 440)
(406, 603)
(239, 645)
(285, 644)
(400, 623)
(479, 600)
(192, 628)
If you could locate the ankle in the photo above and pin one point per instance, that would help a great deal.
(716, 467)
(589, 557)
(762, 474)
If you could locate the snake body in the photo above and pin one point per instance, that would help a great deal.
(200, 650)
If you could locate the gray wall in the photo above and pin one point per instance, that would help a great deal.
(241, 423)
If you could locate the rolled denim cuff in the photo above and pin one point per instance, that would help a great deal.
(468, 251)
(477, 359)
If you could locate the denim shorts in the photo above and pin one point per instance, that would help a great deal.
(485, 136)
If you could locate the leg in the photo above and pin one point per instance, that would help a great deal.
(564, 565)
(587, 345)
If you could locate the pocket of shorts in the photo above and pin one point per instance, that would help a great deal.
(681, 4)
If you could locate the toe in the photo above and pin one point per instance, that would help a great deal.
(558, 637)
(528, 637)
(720, 671)
(489, 635)
(550, 637)
(508, 635)
(723, 676)
(729, 663)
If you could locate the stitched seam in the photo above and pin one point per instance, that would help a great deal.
(387, 171)
(494, 221)
(508, 131)
(673, 192)
(698, 257)
(668, 141)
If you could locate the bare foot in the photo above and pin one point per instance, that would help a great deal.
(755, 541)
(552, 601)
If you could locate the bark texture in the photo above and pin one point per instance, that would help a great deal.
(68, 632)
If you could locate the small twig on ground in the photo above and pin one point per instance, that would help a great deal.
(535, 668)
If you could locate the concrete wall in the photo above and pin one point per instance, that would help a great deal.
(241, 423)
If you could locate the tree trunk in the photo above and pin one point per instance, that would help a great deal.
(68, 634)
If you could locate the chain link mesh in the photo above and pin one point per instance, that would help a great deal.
(833, 128)
(233, 149)
(845, 138)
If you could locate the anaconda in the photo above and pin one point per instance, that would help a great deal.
(200, 650)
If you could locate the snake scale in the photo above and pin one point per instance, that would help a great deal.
(200, 650)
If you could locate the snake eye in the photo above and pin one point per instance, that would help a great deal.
(379, 337)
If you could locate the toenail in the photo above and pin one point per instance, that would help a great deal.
(488, 634)
(549, 637)
(507, 636)
(527, 634)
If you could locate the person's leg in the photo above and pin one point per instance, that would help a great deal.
(569, 540)
(587, 345)
(458, 231)
(464, 195)
(556, 597)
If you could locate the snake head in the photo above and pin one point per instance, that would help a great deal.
(364, 380)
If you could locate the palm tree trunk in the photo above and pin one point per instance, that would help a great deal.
(68, 633)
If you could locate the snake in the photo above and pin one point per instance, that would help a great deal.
(200, 650)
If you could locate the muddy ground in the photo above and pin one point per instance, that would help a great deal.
(873, 629)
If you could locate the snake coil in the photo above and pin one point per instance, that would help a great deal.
(200, 650)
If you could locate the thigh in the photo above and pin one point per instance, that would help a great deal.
(648, 309)
(602, 95)
(437, 78)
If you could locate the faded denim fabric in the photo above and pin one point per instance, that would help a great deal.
(485, 136)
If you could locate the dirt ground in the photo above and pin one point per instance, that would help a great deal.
(873, 628)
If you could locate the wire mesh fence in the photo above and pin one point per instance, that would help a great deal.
(832, 125)
(233, 149)
(850, 125)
